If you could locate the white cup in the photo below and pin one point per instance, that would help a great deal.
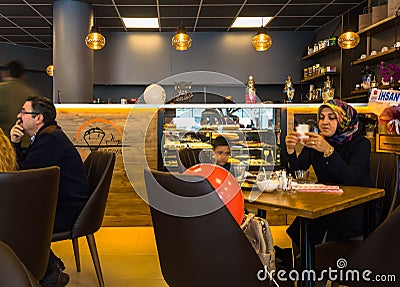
(302, 129)
(384, 49)
(373, 53)
(363, 56)
(396, 45)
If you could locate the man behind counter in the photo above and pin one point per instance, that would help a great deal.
(222, 152)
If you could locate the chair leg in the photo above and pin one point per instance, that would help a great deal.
(75, 245)
(95, 257)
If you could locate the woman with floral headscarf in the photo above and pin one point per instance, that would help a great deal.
(339, 155)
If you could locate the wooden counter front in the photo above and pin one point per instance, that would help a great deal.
(102, 127)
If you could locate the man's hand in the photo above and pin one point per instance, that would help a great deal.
(17, 131)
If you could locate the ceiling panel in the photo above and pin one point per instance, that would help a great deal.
(260, 10)
(20, 19)
(178, 11)
(218, 11)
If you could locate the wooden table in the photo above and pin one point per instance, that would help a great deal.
(311, 205)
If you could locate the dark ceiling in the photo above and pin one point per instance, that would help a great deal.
(29, 22)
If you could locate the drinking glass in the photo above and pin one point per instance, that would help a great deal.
(301, 176)
(239, 172)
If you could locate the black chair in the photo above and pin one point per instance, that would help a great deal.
(187, 157)
(13, 272)
(385, 174)
(28, 200)
(378, 253)
(199, 242)
(99, 167)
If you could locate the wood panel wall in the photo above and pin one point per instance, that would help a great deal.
(132, 133)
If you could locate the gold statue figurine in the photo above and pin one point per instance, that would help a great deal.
(289, 89)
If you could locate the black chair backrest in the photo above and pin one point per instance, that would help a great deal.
(198, 248)
(28, 201)
(187, 157)
(13, 273)
(384, 174)
(99, 167)
(379, 253)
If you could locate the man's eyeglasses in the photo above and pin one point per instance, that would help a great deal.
(23, 112)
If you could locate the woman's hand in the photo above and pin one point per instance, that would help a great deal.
(291, 141)
(317, 142)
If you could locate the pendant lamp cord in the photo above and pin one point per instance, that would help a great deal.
(94, 18)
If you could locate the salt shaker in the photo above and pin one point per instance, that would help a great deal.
(284, 180)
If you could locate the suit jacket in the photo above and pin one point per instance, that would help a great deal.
(52, 147)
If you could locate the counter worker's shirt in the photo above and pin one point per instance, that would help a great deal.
(51, 147)
(348, 165)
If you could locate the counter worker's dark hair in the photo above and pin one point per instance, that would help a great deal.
(220, 141)
(44, 106)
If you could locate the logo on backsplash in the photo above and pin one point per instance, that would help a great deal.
(99, 134)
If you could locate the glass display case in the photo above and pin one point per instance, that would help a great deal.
(252, 132)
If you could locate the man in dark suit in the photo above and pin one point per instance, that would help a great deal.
(51, 147)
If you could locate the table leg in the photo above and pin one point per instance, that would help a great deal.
(307, 251)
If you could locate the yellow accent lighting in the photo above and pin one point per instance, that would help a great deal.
(181, 41)
(50, 70)
(94, 40)
(348, 40)
(262, 41)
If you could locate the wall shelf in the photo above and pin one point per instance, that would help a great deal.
(357, 96)
(376, 59)
(313, 101)
(320, 52)
(309, 79)
(379, 26)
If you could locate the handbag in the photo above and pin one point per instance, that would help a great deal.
(259, 234)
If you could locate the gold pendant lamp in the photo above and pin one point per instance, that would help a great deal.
(181, 41)
(95, 40)
(50, 70)
(348, 39)
(261, 41)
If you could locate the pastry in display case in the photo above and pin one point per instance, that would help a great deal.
(197, 127)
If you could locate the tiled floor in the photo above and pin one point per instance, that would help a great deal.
(128, 257)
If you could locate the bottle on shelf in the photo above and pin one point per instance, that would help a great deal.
(328, 92)
(366, 77)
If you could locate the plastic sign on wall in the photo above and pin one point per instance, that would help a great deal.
(381, 99)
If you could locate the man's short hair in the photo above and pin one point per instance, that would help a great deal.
(43, 106)
(16, 69)
(220, 141)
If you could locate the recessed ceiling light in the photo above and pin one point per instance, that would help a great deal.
(140, 22)
(250, 22)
